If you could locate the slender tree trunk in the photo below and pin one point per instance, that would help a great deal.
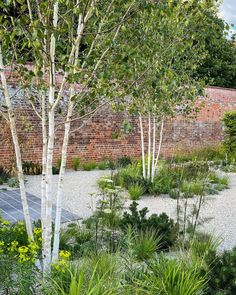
(142, 147)
(50, 147)
(56, 242)
(44, 168)
(159, 148)
(11, 116)
(149, 146)
(61, 181)
(153, 148)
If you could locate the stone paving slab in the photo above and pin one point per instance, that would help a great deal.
(11, 207)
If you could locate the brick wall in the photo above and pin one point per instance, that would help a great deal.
(103, 137)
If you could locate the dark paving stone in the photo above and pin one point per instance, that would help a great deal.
(11, 207)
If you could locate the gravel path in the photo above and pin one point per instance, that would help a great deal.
(79, 185)
(220, 209)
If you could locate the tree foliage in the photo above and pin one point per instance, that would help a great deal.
(219, 67)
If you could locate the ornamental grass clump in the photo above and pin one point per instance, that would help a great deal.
(173, 277)
(89, 166)
(136, 191)
(146, 244)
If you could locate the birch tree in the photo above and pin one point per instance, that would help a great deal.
(159, 81)
(70, 44)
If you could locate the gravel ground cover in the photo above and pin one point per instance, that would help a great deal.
(220, 210)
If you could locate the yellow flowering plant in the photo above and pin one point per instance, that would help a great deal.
(14, 242)
(62, 264)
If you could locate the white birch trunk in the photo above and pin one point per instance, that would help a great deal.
(153, 148)
(11, 116)
(50, 147)
(159, 147)
(60, 188)
(142, 146)
(149, 146)
(44, 168)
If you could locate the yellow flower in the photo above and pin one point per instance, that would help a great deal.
(23, 249)
(60, 265)
(37, 231)
(13, 246)
(64, 254)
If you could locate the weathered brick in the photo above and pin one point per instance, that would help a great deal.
(95, 140)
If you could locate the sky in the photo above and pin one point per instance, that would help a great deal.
(228, 12)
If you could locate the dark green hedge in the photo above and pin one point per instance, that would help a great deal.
(229, 121)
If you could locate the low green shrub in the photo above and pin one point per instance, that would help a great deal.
(208, 153)
(163, 184)
(89, 166)
(128, 176)
(222, 275)
(123, 161)
(102, 165)
(174, 193)
(136, 191)
(190, 178)
(75, 163)
(162, 224)
(192, 188)
(111, 164)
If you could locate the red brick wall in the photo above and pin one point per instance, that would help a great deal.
(95, 141)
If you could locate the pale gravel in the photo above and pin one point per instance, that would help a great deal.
(219, 209)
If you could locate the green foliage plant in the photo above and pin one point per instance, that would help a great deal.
(105, 182)
(230, 131)
(146, 244)
(123, 161)
(89, 166)
(136, 191)
(17, 258)
(102, 165)
(222, 273)
(95, 275)
(172, 276)
(162, 224)
(75, 163)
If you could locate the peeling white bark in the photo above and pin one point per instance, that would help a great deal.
(159, 147)
(15, 139)
(50, 148)
(153, 148)
(149, 147)
(142, 146)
